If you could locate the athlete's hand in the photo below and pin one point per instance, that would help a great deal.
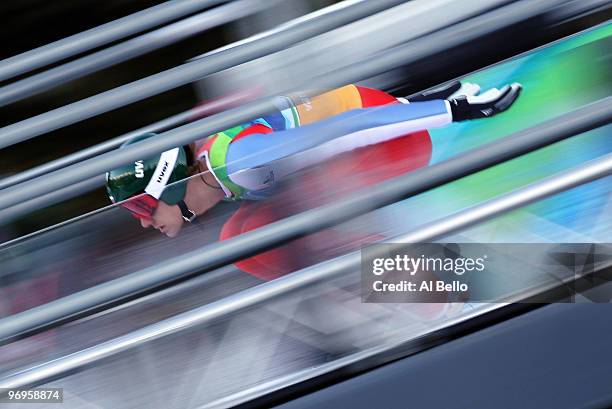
(468, 104)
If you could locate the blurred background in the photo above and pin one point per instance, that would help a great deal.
(30, 24)
(561, 54)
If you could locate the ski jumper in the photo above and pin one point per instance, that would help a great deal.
(339, 141)
(249, 159)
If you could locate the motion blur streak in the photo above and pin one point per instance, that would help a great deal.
(348, 45)
(346, 264)
(132, 48)
(12, 213)
(98, 36)
(181, 75)
(322, 326)
(203, 109)
(312, 221)
(410, 52)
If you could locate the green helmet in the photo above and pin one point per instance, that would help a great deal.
(150, 175)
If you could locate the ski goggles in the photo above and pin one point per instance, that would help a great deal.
(142, 206)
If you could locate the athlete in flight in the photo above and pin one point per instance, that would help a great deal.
(352, 132)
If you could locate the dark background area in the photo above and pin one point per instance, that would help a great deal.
(32, 23)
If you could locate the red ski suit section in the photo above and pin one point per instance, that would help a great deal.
(323, 184)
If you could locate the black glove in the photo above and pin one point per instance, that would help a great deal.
(485, 105)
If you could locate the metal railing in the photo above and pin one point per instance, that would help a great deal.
(219, 254)
(101, 35)
(183, 74)
(199, 111)
(129, 49)
(411, 51)
(435, 230)
(210, 107)
(263, 238)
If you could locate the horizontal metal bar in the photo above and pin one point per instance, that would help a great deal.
(109, 145)
(183, 74)
(284, 26)
(412, 51)
(202, 110)
(435, 230)
(129, 49)
(231, 250)
(228, 99)
(101, 35)
(15, 212)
